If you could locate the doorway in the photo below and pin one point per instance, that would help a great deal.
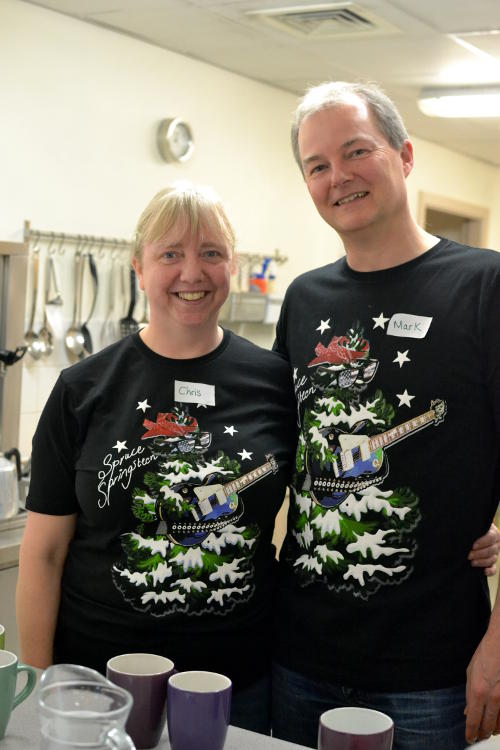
(455, 220)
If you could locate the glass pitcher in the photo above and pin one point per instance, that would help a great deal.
(78, 707)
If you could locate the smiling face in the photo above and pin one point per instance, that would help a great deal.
(355, 177)
(186, 278)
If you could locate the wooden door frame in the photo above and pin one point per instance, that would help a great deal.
(479, 216)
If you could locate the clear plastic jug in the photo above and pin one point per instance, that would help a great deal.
(79, 708)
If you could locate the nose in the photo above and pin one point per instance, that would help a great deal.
(340, 173)
(191, 269)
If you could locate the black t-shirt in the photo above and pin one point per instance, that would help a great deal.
(176, 470)
(397, 379)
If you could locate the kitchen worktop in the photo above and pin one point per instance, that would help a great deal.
(23, 732)
(11, 532)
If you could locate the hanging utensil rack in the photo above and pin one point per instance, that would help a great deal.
(240, 306)
(65, 238)
(114, 243)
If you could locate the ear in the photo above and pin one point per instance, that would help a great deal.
(138, 269)
(407, 157)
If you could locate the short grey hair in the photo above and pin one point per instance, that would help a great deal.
(335, 93)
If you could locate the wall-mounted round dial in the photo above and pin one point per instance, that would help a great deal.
(175, 140)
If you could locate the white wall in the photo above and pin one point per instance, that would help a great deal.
(78, 116)
(80, 106)
(443, 172)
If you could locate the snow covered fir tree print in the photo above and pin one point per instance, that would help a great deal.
(352, 530)
(190, 553)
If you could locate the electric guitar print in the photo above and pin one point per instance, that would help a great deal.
(358, 460)
(210, 507)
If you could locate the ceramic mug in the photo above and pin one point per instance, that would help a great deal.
(145, 676)
(353, 728)
(198, 710)
(9, 699)
(2, 637)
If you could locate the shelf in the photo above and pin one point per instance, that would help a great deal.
(251, 307)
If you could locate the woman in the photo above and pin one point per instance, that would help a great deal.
(158, 467)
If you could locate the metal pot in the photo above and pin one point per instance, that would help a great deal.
(10, 475)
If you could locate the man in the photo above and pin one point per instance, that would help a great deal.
(397, 376)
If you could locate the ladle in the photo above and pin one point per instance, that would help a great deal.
(45, 334)
(46, 337)
(74, 341)
(31, 339)
(87, 338)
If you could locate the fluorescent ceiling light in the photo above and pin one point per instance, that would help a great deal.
(472, 101)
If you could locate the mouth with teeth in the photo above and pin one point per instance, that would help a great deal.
(191, 296)
(350, 198)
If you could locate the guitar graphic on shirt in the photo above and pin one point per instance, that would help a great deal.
(358, 460)
(211, 506)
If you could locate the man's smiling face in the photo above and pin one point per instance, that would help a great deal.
(355, 177)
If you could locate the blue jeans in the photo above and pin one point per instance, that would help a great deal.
(423, 720)
(251, 707)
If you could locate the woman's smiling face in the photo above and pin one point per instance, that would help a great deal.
(186, 277)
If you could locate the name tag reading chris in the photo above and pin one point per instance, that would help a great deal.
(194, 393)
(408, 326)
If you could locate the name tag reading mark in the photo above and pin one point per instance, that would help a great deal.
(408, 326)
(194, 393)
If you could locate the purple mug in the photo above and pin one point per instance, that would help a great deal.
(145, 676)
(198, 710)
(353, 728)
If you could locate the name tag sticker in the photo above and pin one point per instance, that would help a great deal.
(194, 393)
(408, 326)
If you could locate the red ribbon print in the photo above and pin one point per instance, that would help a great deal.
(167, 425)
(338, 353)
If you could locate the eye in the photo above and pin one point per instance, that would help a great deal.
(168, 256)
(317, 169)
(213, 254)
(357, 152)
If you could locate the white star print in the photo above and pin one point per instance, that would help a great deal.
(380, 321)
(323, 326)
(230, 430)
(120, 446)
(244, 454)
(143, 405)
(402, 358)
(404, 398)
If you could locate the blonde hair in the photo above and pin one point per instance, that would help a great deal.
(197, 205)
